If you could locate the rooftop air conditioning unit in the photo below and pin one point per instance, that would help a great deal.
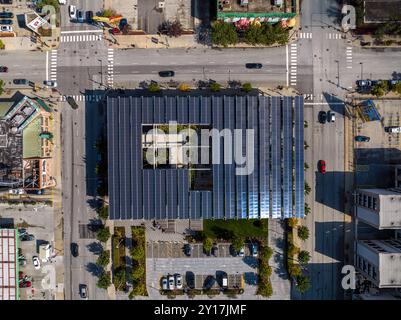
(161, 4)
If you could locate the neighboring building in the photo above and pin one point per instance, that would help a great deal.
(379, 208)
(250, 10)
(9, 282)
(380, 261)
(25, 144)
(381, 10)
(150, 178)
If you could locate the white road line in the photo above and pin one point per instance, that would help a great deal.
(47, 65)
(286, 62)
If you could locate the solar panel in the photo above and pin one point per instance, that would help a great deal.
(207, 204)
(264, 156)
(218, 173)
(287, 157)
(253, 193)
(299, 158)
(276, 158)
(229, 174)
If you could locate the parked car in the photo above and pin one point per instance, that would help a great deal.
(171, 282)
(168, 73)
(209, 282)
(363, 83)
(27, 237)
(188, 249)
(362, 139)
(232, 250)
(36, 262)
(83, 291)
(25, 284)
(331, 117)
(392, 129)
(22, 262)
(215, 250)
(22, 231)
(6, 28)
(393, 82)
(322, 116)
(50, 83)
(89, 16)
(6, 21)
(80, 16)
(164, 283)
(178, 281)
(190, 279)
(72, 11)
(241, 253)
(72, 102)
(74, 249)
(20, 81)
(322, 166)
(5, 14)
(253, 65)
(62, 1)
(223, 280)
(254, 249)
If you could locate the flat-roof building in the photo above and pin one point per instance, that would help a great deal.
(9, 285)
(167, 158)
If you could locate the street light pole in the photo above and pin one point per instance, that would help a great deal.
(361, 63)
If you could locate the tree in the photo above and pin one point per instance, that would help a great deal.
(281, 35)
(104, 280)
(247, 87)
(237, 243)
(306, 145)
(119, 278)
(154, 87)
(171, 29)
(303, 257)
(138, 272)
(103, 234)
(184, 87)
(1, 87)
(53, 3)
(103, 212)
(307, 188)
(292, 222)
(305, 124)
(265, 289)
(266, 253)
(303, 232)
(104, 258)
(307, 209)
(303, 283)
(207, 244)
(215, 86)
(254, 34)
(306, 166)
(2, 45)
(224, 34)
(396, 88)
(137, 252)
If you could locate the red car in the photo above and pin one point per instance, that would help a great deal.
(3, 69)
(25, 284)
(322, 166)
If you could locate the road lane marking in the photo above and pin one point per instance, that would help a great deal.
(47, 65)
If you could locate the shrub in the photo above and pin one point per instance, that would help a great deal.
(265, 289)
(104, 280)
(103, 212)
(303, 232)
(215, 87)
(303, 283)
(184, 87)
(266, 253)
(137, 252)
(154, 87)
(207, 244)
(171, 29)
(292, 222)
(224, 34)
(303, 257)
(103, 259)
(103, 234)
(247, 87)
(2, 45)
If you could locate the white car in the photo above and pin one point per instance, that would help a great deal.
(51, 84)
(178, 281)
(241, 253)
(6, 28)
(73, 11)
(62, 1)
(36, 262)
(171, 282)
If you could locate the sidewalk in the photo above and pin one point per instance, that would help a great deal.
(25, 43)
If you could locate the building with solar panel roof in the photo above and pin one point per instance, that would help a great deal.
(150, 177)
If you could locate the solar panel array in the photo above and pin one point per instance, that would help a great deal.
(165, 193)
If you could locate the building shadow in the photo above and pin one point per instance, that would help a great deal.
(329, 189)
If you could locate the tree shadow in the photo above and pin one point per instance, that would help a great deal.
(94, 269)
(251, 261)
(95, 247)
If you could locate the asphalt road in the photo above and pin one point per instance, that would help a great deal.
(86, 5)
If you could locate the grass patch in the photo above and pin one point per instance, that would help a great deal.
(138, 256)
(229, 229)
(119, 258)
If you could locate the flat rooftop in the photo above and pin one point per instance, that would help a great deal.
(381, 10)
(256, 6)
(213, 189)
(9, 288)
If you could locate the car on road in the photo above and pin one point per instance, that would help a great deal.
(21, 81)
(6, 28)
(36, 262)
(164, 283)
(4, 14)
(3, 69)
(72, 102)
(50, 83)
(74, 249)
(322, 116)
(190, 279)
(322, 166)
(171, 282)
(188, 249)
(178, 281)
(363, 83)
(89, 16)
(331, 117)
(27, 237)
(83, 291)
(209, 282)
(254, 249)
(80, 16)
(241, 253)
(362, 139)
(253, 65)
(6, 21)
(72, 11)
(167, 73)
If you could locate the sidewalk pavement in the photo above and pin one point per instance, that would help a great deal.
(25, 43)
(111, 290)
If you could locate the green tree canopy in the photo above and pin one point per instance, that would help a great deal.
(1, 87)
(215, 87)
(208, 244)
(104, 280)
(224, 34)
(103, 259)
(103, 212)
(103, 234)
(2, 45)
(137, 252)
(247, 87)
(154, 87)
(303, 283)
(303, 232)
(237, 243)
(303, 256)
(53, 3)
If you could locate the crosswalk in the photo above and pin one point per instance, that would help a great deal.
(293, 64)
(81, 38)
(305, 35)
(349, 56)
(53, 65)
(333, 36)
(110, 67)
(82, 97)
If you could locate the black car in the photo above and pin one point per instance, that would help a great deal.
(89, 16)
(215, 250)
(72, 102)
(209, 282)
(253, 65)
(166, 73)
(3, 69)
(27, 237)
(362, 139)
(233, 252)
(190, 279)
(20, 81)
(188, 249)
(83, 291)
(6, 21)
(322, 117)
(6, 15)
(74, 249)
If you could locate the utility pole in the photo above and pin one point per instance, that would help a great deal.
(361, 63)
